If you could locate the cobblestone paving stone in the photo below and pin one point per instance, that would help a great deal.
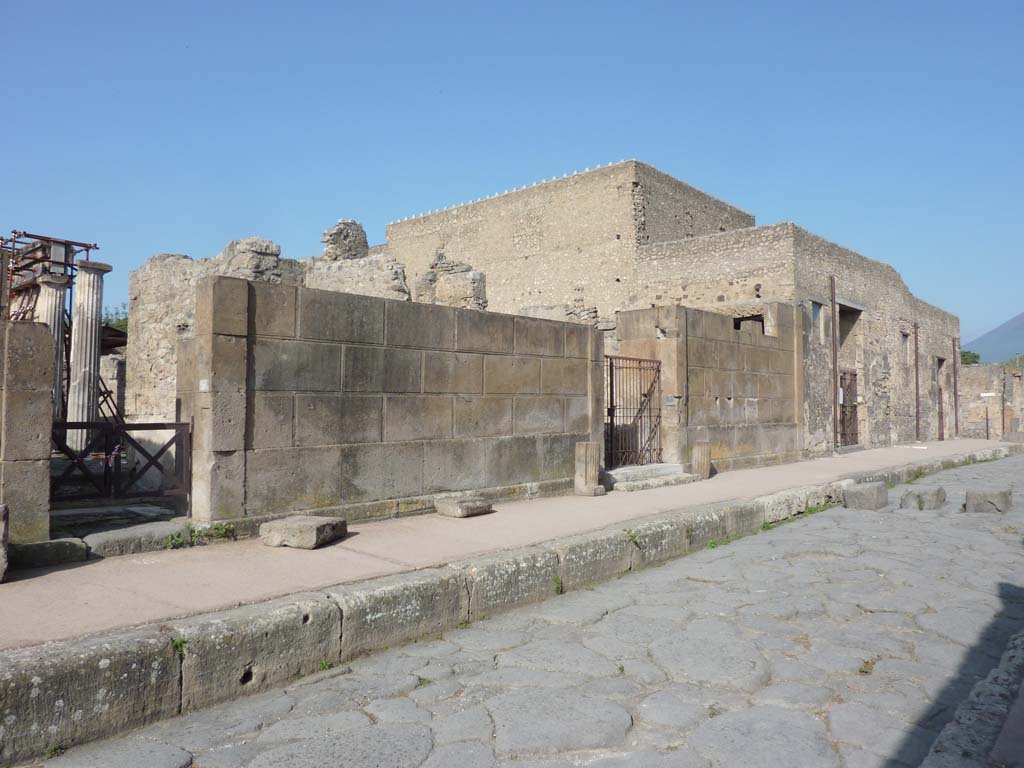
(846, 638)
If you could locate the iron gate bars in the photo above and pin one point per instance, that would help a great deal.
(848, 409)
(633, 400)
(85, 477)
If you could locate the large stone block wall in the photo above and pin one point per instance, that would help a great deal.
(734, 388)
(1002, 407)
(567, 241)
(316, 400)
(26, 413)
(162, 305)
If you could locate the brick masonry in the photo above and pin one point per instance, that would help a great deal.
(312, 400)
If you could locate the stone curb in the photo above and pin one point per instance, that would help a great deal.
(70, 692)
(969, 738)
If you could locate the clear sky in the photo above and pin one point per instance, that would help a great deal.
(892, 128)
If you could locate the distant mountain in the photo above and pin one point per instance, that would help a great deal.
(1002, 343)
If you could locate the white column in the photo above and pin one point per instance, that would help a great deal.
(86, 320)
(50, 310)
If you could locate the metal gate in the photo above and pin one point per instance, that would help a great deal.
(101, 471)
(848, 408)
(632, 427)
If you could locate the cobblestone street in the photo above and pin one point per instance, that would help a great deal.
(846, 638)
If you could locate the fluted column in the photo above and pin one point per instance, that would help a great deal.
(86, 321)
(50, 310)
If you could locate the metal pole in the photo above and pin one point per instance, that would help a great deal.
(917, 387)
(835, 365)
(956, 386)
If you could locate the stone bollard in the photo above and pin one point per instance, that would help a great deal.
(700, 460)
(989, 501)
(866, 496)
(4, 516)
(923, 498)
(588, 468)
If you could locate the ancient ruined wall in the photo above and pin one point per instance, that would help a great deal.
(883, 360)
(565, 242)
(315, 400)
(668, 209)
(26, 413)
(734, 388)
(1002, 406)
(745, 266)
(162, 304)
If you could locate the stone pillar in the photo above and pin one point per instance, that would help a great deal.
(700, 460)
(588, 469)
(86, 319)
(50, 310)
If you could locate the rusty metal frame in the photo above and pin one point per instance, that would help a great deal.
(633, 403)
(21, 240)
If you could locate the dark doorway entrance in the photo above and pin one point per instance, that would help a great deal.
(848, 434)
(632, 429)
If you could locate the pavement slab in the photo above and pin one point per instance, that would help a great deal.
(745, 671)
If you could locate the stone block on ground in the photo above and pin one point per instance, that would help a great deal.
(45, 553)
(866, 496)
(989, 501)
(467, 506)
(303, 531)
(923, 498)
(130, 540)
(4, 515)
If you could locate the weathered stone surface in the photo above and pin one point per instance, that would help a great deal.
(125, 754)
(711, 652)
(345, 240)
(866, 496)
(66, 693)
(42, 554)
(145, 537)
(396, 609)
(1000, 501)
(303, 531)
(537, 720)
(4, 514)
(588, 469)
(923, 498)
(453, 283)
(765, 737)
(592, 557)
(25, 488)
(384, 746)
(466, 506)
(501, 582)
(249, 649)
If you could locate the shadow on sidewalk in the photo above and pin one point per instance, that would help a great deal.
(978, 661)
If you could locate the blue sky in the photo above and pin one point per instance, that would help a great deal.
(892, 128)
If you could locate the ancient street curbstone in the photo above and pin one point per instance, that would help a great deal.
(396, 609)
(4, 516)
(592, 557)
(469, 506)
(923, 498)
(657, 540)
(46, 553)
(145, 537)
(866, 496)
(126, 754)
(500, 582)
(245, 650)
(70, 692)
(303, 531)
(989, 501)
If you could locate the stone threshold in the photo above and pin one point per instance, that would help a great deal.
(63, 693)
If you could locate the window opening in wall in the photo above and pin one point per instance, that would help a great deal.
(905, 347)
(816, 322)
(749, 323)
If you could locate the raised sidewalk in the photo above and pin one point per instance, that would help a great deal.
(359, 595)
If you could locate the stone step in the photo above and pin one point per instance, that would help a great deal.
(645, 476)
(655, 482)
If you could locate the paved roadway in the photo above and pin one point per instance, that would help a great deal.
(843, 639)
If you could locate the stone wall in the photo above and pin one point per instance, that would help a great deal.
(26, 413)
(732, 387)
(316, 400)
(1003, 406)
(567, 241)
(162, 301)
